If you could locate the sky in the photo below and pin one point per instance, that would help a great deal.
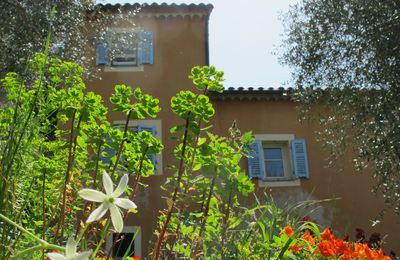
(243, 35)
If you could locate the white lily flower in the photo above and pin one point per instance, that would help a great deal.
(109, 201)
(70, 252)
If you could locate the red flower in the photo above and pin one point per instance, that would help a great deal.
(288, 231)
(295, 248)
(307, 237)
(327, 248)
(327, 235)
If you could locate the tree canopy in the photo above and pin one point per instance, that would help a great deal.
(345, 57)
(74, 28)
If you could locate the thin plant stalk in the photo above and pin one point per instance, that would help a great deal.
(156, 251)
(204, 219)
(42, 243)
(225, 222)
(69, 167)
(44, 210)
(157, 248)
(137, 179)
(121, 145)
(79, 219)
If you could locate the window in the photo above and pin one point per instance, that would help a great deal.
(278, 158)
(123, 49)
(273, 161)
(152, 126)
(129, 240)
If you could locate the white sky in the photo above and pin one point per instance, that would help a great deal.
(243, 36)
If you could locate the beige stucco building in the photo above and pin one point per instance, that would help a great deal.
(170, 40)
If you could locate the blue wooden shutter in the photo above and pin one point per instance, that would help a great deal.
(102, 49)
(256, 162)
(146, 52)
(101, 53)
(152, 130)
(300, 162)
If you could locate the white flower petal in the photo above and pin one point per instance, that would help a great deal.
(82, 256)
(116, 218)
(92, 195)
(125, 203)
(56, 256)
(97, 213)
(121, 186)
(70, 248)
(107, 183)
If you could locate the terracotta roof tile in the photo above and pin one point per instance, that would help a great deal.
(164, 7)
(251, 93)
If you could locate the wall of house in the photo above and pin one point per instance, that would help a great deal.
(179, 44)
(352, 204)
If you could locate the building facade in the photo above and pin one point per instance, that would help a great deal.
(346, 201)
(166, 42)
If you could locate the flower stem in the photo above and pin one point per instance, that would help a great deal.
(43, 244)
(160, 239)
(103, 235)
(28, 251)
(12, 223)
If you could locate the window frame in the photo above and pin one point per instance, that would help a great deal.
(128, 230)
(286, 162)
(135, 48)
(283, 141)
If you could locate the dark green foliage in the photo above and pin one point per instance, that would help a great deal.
(350, 49)
(40, 177)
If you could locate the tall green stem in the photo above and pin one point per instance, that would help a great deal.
(121, 145)
(204, 219)
(67, 174)
(157, 248)
(42, 243)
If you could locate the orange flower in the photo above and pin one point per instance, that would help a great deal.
(364, 252)
(295, 248)
(288, 231)
(342, 246)
(307, 237)
(326, 248)
(327, 235)
(381, 256)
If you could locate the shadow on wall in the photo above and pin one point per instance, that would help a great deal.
(300, 203)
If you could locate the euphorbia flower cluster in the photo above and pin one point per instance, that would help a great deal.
(331, 247)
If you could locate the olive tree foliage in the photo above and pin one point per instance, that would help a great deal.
(345, 60)
(75, 28)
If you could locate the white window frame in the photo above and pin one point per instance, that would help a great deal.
(155, 123)
(287, 167)
(138, 67)
(279, 141)
(131, 230)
